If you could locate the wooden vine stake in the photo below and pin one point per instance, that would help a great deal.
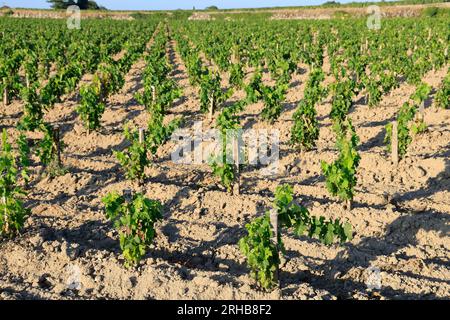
(153, 94)
(141, 141)
(211, 105)
(274, 222)
(5, 214)
(57, 144)
(128, 197)
(237, 185)
(141, 135)
(422, 110)
(233, 57)
(5, 97)
(348, 204)
(394, 143)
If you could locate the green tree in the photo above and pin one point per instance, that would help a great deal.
(83, 4)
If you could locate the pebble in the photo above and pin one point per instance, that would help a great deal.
(73, 252)
(56, 246)
(295, 170)
(37, 240)
(245, 288)
(197, 213)
(223, 266)
(390, 208)
(43, 282)
(47, 246)
(128, 284)
(421, 172)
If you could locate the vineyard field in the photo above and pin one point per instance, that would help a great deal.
(73, 104)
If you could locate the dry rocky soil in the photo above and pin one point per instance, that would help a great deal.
(401, 215)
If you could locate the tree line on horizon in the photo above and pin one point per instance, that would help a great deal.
(92, 5)
(83, 4)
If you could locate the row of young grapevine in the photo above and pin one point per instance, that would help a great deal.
(361, 61)
(32, 51)
(37, 98)
(107, 80)
(375, 60)
(133, 214)
(81, 53)
(263, 245)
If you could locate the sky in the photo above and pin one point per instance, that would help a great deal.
(173, 4)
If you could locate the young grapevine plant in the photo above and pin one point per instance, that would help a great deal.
(135, 159)
(158, 133)
(12, 210)
(33, 108)
(374, 92)
(421, 94)
(211, 94)
(24, 156)
(305, 130)
(91, 107)
(408, 124)
(341, 174)
(49, 149)
(237, 75)
(443, 94)
(343, 93)
(273, 96)
(108, 79)
(223, 165)
(297, 217)
(9, 78)
(263, 253)
(134, 219)
(254, 88)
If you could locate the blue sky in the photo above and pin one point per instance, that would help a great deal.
(172, 4)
